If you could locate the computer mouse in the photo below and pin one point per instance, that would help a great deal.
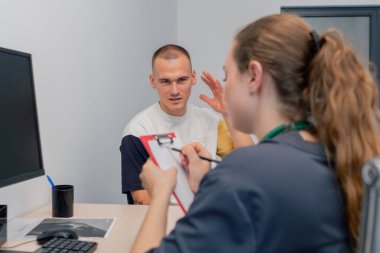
(56, 233)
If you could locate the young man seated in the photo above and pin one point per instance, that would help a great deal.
(173, 77)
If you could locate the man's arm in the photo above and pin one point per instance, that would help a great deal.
(133, 157)
(141, 197)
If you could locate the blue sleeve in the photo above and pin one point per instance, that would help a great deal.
(217, 221)
(133, 157)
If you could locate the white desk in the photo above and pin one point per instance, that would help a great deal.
(123, 233)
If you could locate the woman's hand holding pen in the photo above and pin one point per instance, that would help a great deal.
(195, 166)
(159, 183)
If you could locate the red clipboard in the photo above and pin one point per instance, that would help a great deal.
(181, 193)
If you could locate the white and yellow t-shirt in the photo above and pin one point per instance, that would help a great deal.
(197, 124)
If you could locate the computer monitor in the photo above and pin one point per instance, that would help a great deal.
(20, 148)
(3, 224)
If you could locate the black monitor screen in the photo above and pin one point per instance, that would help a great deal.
(20, 150)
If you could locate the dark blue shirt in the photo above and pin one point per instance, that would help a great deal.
(278, 196)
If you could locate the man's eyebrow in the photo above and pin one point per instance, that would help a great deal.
(163, 79)
(168, 79)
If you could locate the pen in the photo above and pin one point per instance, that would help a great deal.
(201, 157)
(51, 182)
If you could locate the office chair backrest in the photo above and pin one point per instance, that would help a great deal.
(369, 241)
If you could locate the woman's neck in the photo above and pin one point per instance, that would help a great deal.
(269, 113)
(267, 123)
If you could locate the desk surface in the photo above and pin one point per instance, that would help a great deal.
(123, 233)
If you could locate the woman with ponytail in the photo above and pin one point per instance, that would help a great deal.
(313, 105)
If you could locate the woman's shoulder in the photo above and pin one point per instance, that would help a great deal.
(261, 163)
(284, 148)
(254, 155)
(239, 165)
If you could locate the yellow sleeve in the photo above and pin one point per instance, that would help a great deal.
(224, 142)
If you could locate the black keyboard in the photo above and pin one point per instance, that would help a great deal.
(67, 246)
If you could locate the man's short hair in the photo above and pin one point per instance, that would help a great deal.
(169, 52)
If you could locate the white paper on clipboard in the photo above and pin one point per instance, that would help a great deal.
(167, 159)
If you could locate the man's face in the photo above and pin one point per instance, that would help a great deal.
(173, 79)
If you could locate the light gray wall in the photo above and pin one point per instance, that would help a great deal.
(206, 28)
(91, 61)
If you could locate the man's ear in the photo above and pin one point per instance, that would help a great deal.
(255, 75)
(151, 78)
(193, 77)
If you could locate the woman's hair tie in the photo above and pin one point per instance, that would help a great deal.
(317, 43)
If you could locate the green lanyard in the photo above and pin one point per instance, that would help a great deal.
(297, 125)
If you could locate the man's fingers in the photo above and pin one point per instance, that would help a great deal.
(208, 82)
(214, 84)
(205, 99)
(219, 84)
(208, 75)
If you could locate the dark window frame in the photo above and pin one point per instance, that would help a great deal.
(370, 11)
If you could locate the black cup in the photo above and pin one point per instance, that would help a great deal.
(63, 201)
